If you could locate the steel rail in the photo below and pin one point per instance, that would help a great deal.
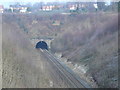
(61, 70)
(75, 80)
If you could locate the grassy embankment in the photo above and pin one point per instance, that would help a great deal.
(94, 36)
(92, 40)
(22, 65)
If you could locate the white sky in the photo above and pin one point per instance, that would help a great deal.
(52, 0)
(6, 3)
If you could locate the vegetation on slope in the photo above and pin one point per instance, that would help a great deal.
(92, 40)
(37, 26)
(21, 63)
(87, 39)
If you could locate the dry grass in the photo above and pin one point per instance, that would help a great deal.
(96, 39)
(23, 66)
(21, 63)
(93, 34)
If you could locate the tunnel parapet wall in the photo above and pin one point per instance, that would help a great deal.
(35, 41)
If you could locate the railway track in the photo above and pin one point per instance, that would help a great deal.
(73, 79)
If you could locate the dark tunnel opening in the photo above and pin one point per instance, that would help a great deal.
(42, 45)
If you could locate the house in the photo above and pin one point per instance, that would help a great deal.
(72, 7)
(18, 8)
(23, 9)
(1, 8)
(14, 8)
(95, 6)
(47, 7)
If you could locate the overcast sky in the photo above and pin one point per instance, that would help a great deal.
(6, 3)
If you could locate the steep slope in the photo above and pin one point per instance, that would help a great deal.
(22, 64)
(91, 42)
(88, 41)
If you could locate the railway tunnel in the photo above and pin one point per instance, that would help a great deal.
(42, 45)
(36, 41)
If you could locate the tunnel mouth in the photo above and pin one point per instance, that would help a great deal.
(42, 45)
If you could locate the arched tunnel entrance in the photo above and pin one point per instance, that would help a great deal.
(42, 45)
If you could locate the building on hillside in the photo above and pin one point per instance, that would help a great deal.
(48, 7)
(95, 6)
(18, 8)
(1, 8)
(23, 9)
(14, 8)
(73, 7)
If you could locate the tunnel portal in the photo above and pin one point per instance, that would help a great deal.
(42, 45)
